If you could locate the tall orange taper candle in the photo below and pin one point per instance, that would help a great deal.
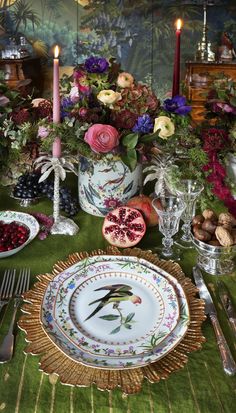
(176, 74)
(56, 148)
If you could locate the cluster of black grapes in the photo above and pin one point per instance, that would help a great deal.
(29, 187)
(67, 202)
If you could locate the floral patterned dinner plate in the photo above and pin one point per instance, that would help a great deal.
(115, 307)
(103, 353)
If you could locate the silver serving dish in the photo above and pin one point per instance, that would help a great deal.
(215, 260)
(25, 202)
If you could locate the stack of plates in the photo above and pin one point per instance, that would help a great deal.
(115, 312)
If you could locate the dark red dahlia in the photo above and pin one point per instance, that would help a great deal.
(124, 119)
(20, 116)
(214, 140)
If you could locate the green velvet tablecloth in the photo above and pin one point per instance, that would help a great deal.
(200, 387)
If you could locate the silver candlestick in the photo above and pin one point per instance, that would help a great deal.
(204, 52)
(61, 225)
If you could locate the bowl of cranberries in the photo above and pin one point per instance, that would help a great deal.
(17, 229)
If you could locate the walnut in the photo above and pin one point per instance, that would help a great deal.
(209, 214)
(215, 243)
(209, 226)
(224, 236)
(202, 235)
(198, 220)
(233, 233)
(227, 220)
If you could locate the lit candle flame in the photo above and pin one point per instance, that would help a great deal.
(56, 52)
(179, 24)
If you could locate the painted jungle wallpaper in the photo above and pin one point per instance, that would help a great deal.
(140, 34)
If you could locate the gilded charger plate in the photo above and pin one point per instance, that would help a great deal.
(117, 307)
(65, 304)
(54, 360)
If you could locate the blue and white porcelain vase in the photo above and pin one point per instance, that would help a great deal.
(106, 184)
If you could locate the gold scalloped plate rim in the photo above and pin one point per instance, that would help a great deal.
(71, 372)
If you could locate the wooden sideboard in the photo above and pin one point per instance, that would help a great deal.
(198, 80)
(17, 70)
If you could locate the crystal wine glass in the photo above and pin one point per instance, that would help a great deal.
(188, 191)
(169, 209)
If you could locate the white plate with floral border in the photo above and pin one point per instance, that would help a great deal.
(24, 219)
(116, 305)
(154, 350)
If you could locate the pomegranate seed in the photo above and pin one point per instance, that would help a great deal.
(12, 235)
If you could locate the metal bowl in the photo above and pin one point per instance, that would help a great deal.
(215, 260)
(25, 202)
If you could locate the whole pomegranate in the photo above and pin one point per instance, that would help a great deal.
(144, 204)
(124, 227)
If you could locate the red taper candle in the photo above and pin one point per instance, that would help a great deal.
(176, 74)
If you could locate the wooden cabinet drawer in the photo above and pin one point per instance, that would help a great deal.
(198, 94)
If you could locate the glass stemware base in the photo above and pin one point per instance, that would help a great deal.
(169, 209)
(174, 255)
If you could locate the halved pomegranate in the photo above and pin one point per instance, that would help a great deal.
(124, 227)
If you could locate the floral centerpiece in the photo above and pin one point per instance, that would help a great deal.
(19, 141)
(108, 117)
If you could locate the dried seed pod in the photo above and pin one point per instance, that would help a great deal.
(224, 236)
(209, 226)
(202, 235)
(227, 219)
(209, 214)
(198, 220)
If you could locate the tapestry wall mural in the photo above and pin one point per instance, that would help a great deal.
(139, 34)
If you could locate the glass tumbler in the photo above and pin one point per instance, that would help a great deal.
(188, 191)
(169, 209)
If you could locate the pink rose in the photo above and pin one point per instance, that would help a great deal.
(102, 138)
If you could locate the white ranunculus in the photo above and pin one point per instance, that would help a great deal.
(108, 97)
(125, 80)
(165, 125)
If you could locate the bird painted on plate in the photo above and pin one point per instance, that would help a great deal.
(117, 293)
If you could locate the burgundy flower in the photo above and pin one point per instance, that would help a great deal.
(81, 81)
(214, 139)
(124, 119)
(20, 116)
(221, 191)
(223, 107)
